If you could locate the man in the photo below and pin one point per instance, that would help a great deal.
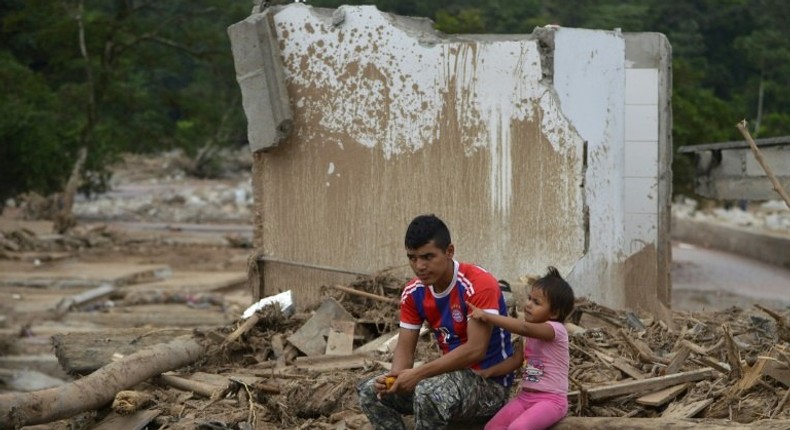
(446, 388)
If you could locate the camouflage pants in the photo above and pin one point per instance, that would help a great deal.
(458, 395)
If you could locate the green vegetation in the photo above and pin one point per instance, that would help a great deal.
(111, 76)
(146, 75)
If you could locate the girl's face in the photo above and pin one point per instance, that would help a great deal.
(538, 308)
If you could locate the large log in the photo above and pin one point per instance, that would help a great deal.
(622, 423)
(98, 388)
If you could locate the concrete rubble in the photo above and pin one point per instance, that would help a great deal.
(771, 216)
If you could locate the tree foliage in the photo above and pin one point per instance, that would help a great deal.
(113, 76)
(147, 75)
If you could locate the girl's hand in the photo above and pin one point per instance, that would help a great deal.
(476, 313)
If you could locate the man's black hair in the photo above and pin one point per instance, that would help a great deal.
(557, 291)
(426, 228)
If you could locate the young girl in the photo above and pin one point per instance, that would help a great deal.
(543, 399)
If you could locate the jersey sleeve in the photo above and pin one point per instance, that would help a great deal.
(485, 294)
(409, 316)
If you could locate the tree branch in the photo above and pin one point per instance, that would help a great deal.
(759, 156)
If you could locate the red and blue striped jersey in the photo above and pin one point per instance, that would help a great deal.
(446, 313)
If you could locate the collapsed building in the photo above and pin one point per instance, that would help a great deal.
(551, 148)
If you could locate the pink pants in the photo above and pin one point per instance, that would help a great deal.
(530, 410)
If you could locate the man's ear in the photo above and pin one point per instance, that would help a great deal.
(450, 250)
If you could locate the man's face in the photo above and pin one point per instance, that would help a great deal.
(431, 264)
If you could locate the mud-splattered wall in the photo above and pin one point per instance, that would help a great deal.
(391, 120)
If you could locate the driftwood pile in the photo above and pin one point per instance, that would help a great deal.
(707, 370)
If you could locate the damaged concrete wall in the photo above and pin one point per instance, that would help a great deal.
(730, 170)
(516, 141)
(648, 168)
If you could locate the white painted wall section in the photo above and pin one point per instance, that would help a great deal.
(641, 158)
(589, 78)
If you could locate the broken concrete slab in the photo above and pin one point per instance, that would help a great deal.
(340, 340)
(310, 338)
(261, 76)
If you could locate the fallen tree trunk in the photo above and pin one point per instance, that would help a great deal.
(623, 423)
(99, 388)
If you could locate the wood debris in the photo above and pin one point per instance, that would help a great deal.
(271, 371)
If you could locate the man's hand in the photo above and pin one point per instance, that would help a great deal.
(477, 313)
(405, 381)
(390, 383)
(383, 384)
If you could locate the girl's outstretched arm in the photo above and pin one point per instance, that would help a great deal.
(510, 364)
(542, 331)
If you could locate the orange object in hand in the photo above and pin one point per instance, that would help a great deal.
(388, 381)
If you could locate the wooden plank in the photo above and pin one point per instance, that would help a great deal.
(36, 256)
(193, 282)
(341, 338)
(622, 365)
(209, 389)
(779, 371)
(777, 364)
(242, 378)
(678, 360)
(310, 337)
(158, 315)
(685, 410)
(710, 362)
(330, 362)
(648, 384)
(605, 358)
(68, 274)
(661, 397)
(354, 291)
(136, 421)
